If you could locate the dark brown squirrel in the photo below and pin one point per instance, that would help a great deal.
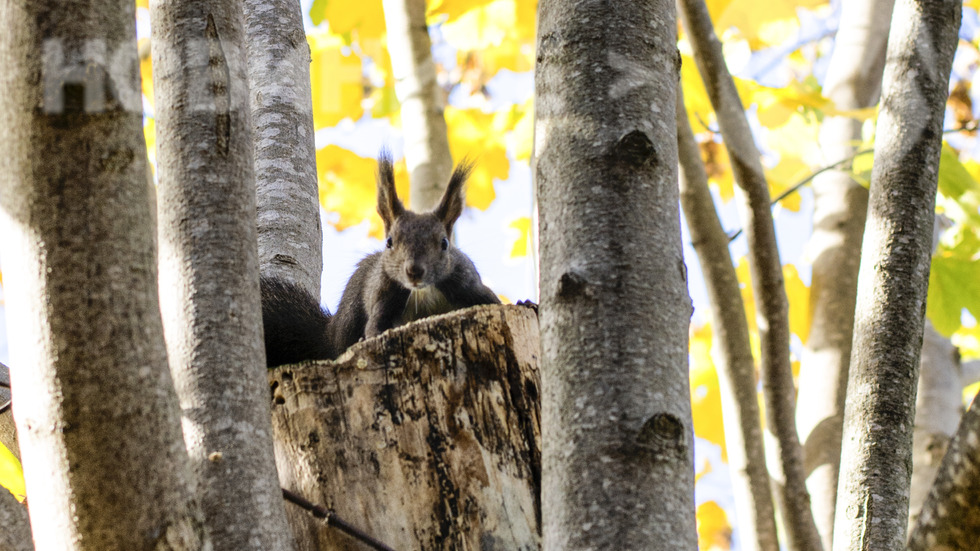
(419, 273)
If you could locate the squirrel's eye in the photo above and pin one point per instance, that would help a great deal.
(445, 243)
(388, 243)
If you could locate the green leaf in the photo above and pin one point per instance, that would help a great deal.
(318, 11)
(954, 281)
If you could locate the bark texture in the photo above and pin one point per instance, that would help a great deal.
(938, 409)
(16, 532)
(97, 417)
(840, 206)
(893, 279)
(288, 208)
(8, 432)
(766, 270)
(422, 102)
(616, 418)
(209, 269)
(732, 351)
(426, 437)
(949, 520)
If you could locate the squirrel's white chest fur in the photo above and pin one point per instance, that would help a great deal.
(425, 302)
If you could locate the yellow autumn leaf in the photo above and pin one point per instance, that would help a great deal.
(150, 136)
(696, 101)
(366, 18)
(520, 247)
(143, 4)
(788, 172)
(795, 137)
(798, 295)
(11, 474)
(480, 136)
(335, 79)
(347, 187)
(755, 20)
(719, 168)
(521, 137)
(492, 36)
(705, 392)
(714, 529)
(748, 299)
(967, 341)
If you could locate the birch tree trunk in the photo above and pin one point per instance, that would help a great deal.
(97, 418)
(893, 278)
(422, 104)
(426, 437)
(840, 206)
(766, 270)
(209, 269)
(289, 234)
(616, 418)
(732, 351)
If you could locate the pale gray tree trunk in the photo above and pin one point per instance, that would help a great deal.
(938, 408)
(15, 534)
(766, 270)
(209, 269)
(616, 417)
(949, 519)
(732, 351)
(893, 280)
(289, 233)
(97, 417)
(422, 102)
(840, 205)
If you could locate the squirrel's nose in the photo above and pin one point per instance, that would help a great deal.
(415, 272)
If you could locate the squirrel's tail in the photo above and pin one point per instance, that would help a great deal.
(295, 324)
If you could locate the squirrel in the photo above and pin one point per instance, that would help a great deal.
(295, 325)
(419, 273)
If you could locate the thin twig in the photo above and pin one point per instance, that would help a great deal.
(332, 519)
(4, 407)
(796, 187)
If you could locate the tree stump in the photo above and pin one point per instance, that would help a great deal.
(426, 437)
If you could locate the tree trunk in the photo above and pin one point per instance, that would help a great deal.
(893, 279)
(289, 233)
(733, 357)
(938, 409)
(16, 532)
(616, 413)
(768, 287)
(840, 206)
(97, 418)
(422, 104)
(209, 269)
(8, 432)
(949, 519)
(426, 437)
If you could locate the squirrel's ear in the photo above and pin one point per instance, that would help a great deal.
(389, 206)
(451, 205)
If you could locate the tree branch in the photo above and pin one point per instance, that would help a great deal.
(767, 276)
(734, 363)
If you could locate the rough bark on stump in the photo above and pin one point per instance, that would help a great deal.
(427, 437)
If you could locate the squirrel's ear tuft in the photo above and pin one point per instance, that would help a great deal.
(451, 205)
(389, 206)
